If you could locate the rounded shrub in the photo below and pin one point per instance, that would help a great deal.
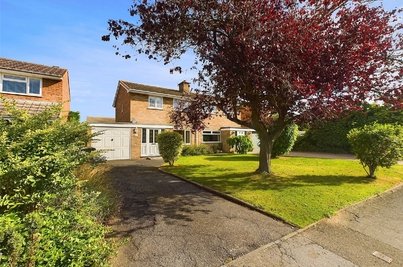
(170, 146)
(242, 144)
(377, 145)
(285, 142)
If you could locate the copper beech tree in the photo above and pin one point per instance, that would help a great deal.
(267, 63)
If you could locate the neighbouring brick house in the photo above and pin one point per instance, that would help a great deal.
(142, 112)
(34, 87)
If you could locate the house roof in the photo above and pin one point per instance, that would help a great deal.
(149, 88)
(146, 89)
(91, 119)
(33, 107)
(15, 65)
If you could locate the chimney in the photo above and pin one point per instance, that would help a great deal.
(184, 87)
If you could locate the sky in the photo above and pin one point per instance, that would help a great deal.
(68, 34)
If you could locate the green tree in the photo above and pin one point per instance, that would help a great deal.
(377, 145)
(170, 146)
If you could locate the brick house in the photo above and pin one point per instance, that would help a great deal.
(34, 87)
(143, 111)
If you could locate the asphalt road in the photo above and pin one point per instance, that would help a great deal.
(168, 222)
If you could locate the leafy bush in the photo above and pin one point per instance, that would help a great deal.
(194, 150)
(285, 141)
(331, 136)
(242, 144)
(47, 217)
(215, 148)
(377, 145)
(74, 116)
(170, 146)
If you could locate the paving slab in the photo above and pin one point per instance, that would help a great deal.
(293, 252)
(367, 234)
(169, 222)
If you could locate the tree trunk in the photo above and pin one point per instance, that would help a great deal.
(372, 170)
(266, 145)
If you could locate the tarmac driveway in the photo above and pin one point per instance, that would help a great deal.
(168, 222)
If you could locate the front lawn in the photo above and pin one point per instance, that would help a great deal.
(302, 190)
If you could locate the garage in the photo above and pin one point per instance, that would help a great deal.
(114, 142)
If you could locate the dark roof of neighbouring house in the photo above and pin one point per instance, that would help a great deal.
(100, 119)
(15, 65)
(33, 107)
(150, 88)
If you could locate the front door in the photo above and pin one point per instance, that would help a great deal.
(149, 146)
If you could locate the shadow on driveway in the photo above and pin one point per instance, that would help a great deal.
(169, 222)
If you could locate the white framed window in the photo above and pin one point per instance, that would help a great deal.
(240, 133)
(186, 137)
(20, 85)
(180, 103)
(211, 136)
(155, 102)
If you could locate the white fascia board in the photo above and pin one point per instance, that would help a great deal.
(29, 74)
(154, 94)
(237, 129)
(131, 125)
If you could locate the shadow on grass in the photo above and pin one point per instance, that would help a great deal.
(236, 181)
(230, 157)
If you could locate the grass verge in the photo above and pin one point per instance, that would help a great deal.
(301, 190)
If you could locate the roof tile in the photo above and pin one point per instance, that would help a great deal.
(150, 88)
(33, 107)
(15, 65)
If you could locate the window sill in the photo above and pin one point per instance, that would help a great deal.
(212, 142)
(21, 94)
(155, 108)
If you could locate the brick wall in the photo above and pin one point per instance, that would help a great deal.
(66, 100)
(136, 144)
(122, 105)
(142, 114)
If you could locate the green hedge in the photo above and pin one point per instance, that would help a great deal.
(47, 216)
(194, 150)
(331, 136)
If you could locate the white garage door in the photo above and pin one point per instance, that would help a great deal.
(114, 141)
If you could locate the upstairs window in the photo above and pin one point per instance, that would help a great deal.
(211, 136)
(155, 102)
(180, 103)
(21, 85)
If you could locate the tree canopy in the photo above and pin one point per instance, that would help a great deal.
(267, 63)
